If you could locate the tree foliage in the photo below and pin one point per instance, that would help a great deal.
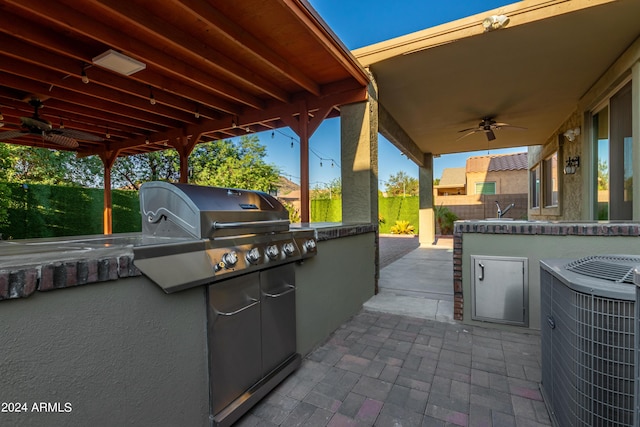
(332, 190)
(239, 164)
(225, 163)
(402, 184)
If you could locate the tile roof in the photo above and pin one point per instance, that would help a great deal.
(498, 162)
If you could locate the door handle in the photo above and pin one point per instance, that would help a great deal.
(481, 265)
(240, 310)
(290, 288)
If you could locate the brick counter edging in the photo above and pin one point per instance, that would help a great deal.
(345, 231)
(550, 229)
(546, 229)
(23, 282)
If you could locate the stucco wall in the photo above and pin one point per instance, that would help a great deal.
(332, 287)
(535, 248)
(570, 186)
(118, 353)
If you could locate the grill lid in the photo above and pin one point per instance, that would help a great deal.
(187, 210)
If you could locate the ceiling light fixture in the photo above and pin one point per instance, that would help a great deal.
(118, 62)
(495, 22)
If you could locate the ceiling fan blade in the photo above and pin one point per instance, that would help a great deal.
(467, 134)
(490, 135)
(62, 140)
(35, 123)
(10, 134)
(513, 127)
(475, 129)
(76, 134)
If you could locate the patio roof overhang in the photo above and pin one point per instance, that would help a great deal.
(531, 73)
(214, 70)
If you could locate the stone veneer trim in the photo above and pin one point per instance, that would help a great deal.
(22, 282)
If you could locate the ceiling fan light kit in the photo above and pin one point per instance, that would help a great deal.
(118, 62)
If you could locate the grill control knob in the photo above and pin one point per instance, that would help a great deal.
(230, 259)
(288, 248)
(272, 251)
(310, 245)
(253, 256)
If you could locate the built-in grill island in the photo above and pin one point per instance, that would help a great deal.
(239, 244)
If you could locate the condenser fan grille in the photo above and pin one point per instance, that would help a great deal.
(607, 267)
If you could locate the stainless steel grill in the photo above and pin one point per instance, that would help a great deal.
(213, 234)
(239, 244)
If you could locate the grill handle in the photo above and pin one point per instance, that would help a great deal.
(290, 288)
(230, 225)
(240, 310)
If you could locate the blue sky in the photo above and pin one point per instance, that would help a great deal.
(361, 23)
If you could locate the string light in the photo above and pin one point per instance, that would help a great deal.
(1, 119)
(107, 135)
(197, 113)
(146, 140)
(311, 150)
(85, 78)
(273, 134)
(152, 99)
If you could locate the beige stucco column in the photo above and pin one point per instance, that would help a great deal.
(635, 132)
(427, 217)
(359, 159)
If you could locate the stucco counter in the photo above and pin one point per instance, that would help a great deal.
(85, 331)
(532, 241)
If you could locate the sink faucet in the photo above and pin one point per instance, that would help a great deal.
(502, 212)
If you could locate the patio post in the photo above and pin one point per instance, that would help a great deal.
(108, 159)
(184, 146)
(359, 159)
(426, 216)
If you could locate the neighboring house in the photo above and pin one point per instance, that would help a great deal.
(472, 192)
(453, 182)
(497, 174)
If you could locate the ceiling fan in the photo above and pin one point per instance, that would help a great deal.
(487, 125)
(36, 125)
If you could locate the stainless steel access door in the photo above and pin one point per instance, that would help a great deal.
(499, 289)
(278, 316)
(234, 338)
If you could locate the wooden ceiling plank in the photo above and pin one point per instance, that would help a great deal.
(117, 38)
(323, 34)
(182, 44)
(246, 44)
(89, 102)
(178, 94)
(73, 83)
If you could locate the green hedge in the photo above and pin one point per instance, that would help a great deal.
(391, 209)
(51, 211)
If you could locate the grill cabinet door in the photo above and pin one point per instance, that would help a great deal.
(499, 290)
(234, 338)
(278, 316)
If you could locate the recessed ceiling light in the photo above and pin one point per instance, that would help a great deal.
(118, 62)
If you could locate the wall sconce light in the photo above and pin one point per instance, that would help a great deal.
(571, 134)
(573, 163)
(495, 22)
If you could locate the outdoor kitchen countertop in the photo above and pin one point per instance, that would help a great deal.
(580, 228)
